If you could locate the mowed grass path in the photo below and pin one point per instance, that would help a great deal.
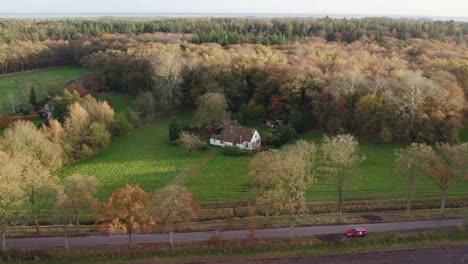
(39, 79)
(226, 178)
(145, 157)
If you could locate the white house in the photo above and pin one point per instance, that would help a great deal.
(242, 137)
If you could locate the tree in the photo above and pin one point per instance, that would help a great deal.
(445, 164)
(408, 163)
(172, 205)
(10, 195)
(190, 142)
(76, 127)
(414, 89)
(174, 130)
(126, 211)
(284, 177)
(145, 105)
(24, 139)
(34, 178)
(280, 135)
(62, 104)
(212, 109)
(99, 111)
(32, 97)
(80, 191)
(98, 136)
(168, 66)
(64, 213)
(340, 156)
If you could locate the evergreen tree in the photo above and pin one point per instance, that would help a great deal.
(32, 97)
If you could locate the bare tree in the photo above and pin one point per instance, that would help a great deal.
(168, 66)
(64, 213)
(340, 156)
(12, 102)
(174, 204)
(410, 96)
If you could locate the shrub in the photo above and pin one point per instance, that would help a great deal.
(122, 125)
(385, 135)
(215, 214)
(280, 135)
(232, 151)
(135, 118)
(239, 117)
(190, 142)
(174, 130)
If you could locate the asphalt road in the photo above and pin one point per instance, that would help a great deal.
(451, 255)
(203, 236)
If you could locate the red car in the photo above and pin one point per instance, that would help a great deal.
(356, 232)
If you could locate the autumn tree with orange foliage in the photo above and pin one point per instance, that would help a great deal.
(126, 211)
(445, 164)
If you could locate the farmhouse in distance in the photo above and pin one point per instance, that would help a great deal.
(238, 136)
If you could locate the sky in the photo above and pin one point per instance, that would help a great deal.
(451, 8)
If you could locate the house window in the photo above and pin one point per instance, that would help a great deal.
(246, 145)
(222, 142)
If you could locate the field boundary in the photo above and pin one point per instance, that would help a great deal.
(186, 174)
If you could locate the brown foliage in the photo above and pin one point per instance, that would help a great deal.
(126, 211)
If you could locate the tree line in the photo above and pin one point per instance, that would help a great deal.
(413, 90)
(228, 31)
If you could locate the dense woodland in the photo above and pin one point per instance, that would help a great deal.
(381, 79)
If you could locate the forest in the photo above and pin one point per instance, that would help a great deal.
(380, 79)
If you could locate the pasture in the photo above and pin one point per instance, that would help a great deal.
(144, 157)
(18, 85)
(375, 179)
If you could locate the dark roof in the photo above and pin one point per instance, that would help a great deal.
(46, 100)
(43, 103)
(235, 134)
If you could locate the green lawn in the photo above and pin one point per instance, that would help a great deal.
(145, 157)
(228, 180)
(222, 179)
(19, 84)
(120, 102)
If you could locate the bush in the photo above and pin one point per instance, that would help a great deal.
(280, 135)
(190, 142)
(122, 125)
(215, 214)
(385, 135)
(239, 117)
(232, 151)
(174, 130)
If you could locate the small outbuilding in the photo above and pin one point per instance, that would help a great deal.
(238, 136)
(45, 108)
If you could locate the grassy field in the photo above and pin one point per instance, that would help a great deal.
(19, 84)
(375, 178)
(145, 157)
(222, 179)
